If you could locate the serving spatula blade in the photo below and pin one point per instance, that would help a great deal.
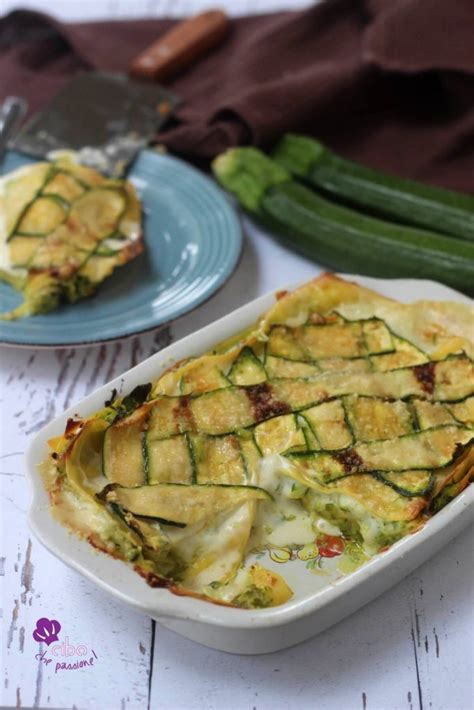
(106, 118)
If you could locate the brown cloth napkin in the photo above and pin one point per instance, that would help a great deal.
(390, 84)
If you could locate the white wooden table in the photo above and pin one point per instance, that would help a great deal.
(411, 648)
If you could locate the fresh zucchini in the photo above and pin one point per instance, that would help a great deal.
(337, 236)
(394, 197)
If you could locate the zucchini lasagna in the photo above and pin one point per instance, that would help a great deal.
(64, 228)
(340, 423)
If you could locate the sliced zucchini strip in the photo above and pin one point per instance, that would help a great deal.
(454, 379)
(64, 186)
(377, 337)
(328, 423)
(57, 255)
(42, 216)
(463, 411)
(409, 483)
(181, 504)
(357, 497)
(251, 456)
(218, 459)
(226, 410)
(337, 364)
(169, 460)
(334, 340)
(99, 210)
(404, 355)
(98, 268)
(222, 411)
(279, 434)
(280, 367)
(372, 418)
(83, 458)
(432, 414)
(283, 342)
(22, 249)
(20, 193)
(422, 450)
(426, 449)
(247, 369)
(199, 378)
(168, 416)
(123, 459)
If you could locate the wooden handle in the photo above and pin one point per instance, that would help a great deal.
(181, 46)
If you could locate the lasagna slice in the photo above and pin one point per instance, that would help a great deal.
(64, 228)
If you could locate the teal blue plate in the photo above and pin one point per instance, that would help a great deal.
(193, 241)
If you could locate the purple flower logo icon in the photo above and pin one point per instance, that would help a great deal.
(46, 630)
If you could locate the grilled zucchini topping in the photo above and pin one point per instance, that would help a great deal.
(336, 426)
(64, 229)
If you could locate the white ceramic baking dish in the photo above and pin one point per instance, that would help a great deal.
(318, 601)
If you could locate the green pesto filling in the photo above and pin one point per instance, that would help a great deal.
(254, 598)
(355, 522)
